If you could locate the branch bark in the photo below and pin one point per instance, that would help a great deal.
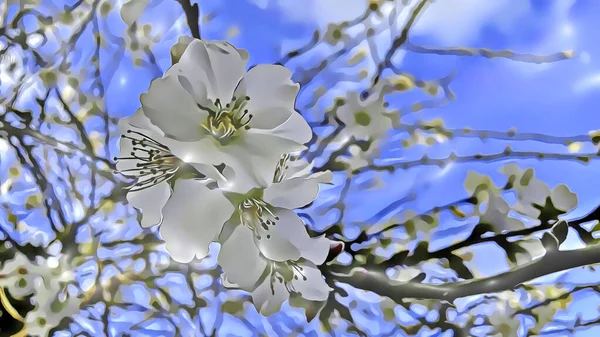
(490, 54)
(552, 262)
(192, 14)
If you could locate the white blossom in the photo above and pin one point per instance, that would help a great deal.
(169, 191)
(132, 10)
(278, 231)
(364, 120)
(270, 282)
(496, 214)
(46, 280)
(212, 111)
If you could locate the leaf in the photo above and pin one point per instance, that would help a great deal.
(232, 307)
(560, 231)
(457, 264)
(549, 241)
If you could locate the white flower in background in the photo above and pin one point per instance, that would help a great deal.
(563, 199)
(53, 302)
(532, 191)
(132, 10)
(270, 282)
(212, 111)
(19, 275)
(364, 120)
(47, 281)
(357, 158)
(169, 191)
(335, 34)
(502, 318)
(279, 232)
(496, 214)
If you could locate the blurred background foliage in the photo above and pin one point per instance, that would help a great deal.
(471, 212)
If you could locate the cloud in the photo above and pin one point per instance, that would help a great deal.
(591, 82)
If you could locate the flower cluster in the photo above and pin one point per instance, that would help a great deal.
(45, 284)
(213, 151)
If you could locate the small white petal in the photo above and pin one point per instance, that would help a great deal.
(222, 64)
(314, 288)
(299, 168)
(325, 177)
(193, 79)
(255, 158)
(292, 193)
(202, 151)
(268, 297)
(139, 122)
(289, 240)
(150, 202)
(272, 95)
(275, 244)
(173, 110)
(240, 259)
(563, 199)
(240, 181)
(294, 129)
(193, 218)
(132, 10)
(312, 249)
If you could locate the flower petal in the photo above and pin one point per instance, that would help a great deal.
(562, 198)
(364, 119)
(193, 82)
(295, 129)
(150, 202)
(139, 121)
(314, 287)
(222, 64)
(268, 297)
(255, 158)
(292, 193)
(289, 240)
(298, 168)
(193, 218)
(132, 10)
(272, 95)
(202, 151)
(241, 260)
(173, 110)
(179, 48)
(238, 182)
(227, 284)
(275, 244)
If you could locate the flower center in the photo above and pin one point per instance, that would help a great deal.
(286, 273)
(362, 118)
(257, 215)
(225, 121)
(154, 162)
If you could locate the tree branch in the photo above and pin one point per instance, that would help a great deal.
(552, 262)
(192, 14)
(490, 54)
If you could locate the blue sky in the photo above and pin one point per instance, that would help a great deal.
(559, 99)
